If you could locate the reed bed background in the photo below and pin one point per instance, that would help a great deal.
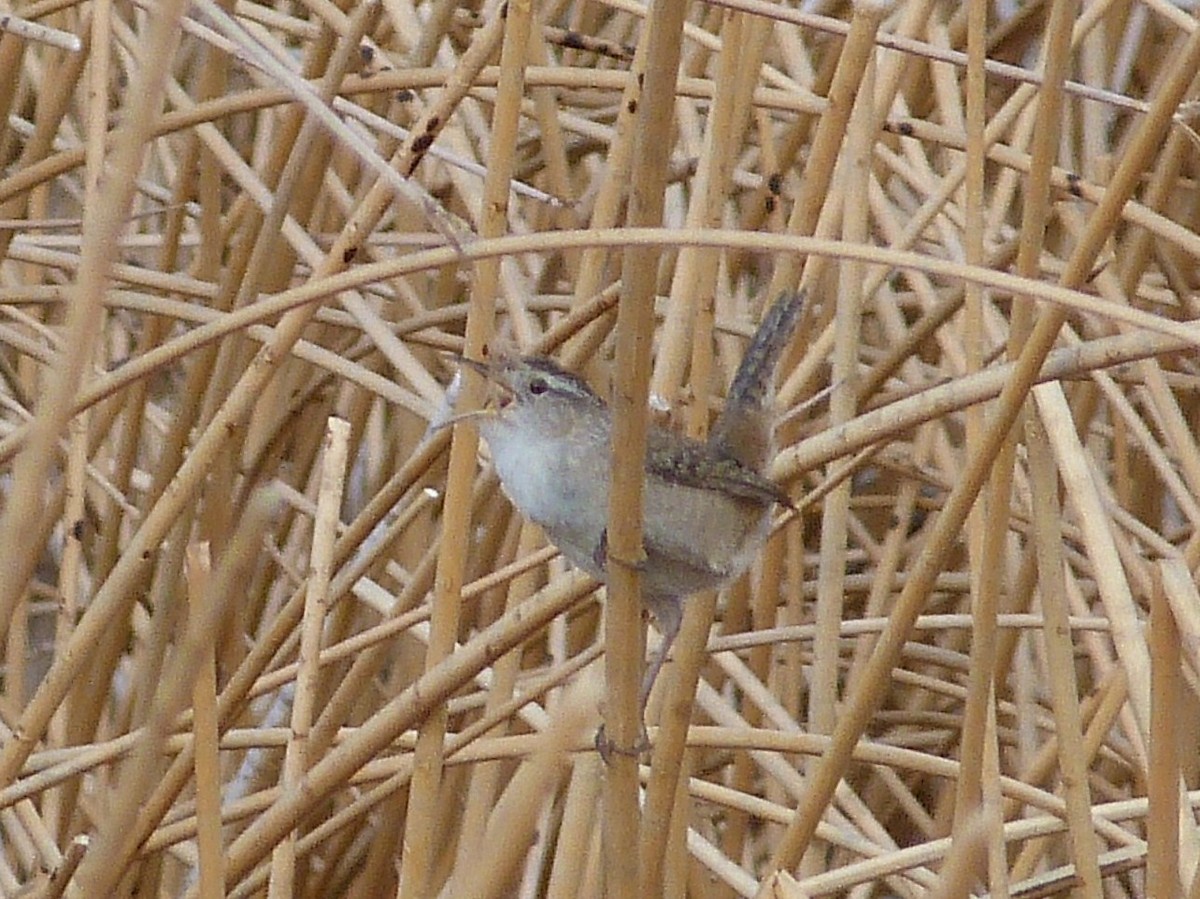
(267, 633)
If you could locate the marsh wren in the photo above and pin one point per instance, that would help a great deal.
(706, 504)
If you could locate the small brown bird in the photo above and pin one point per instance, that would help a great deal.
(706, 505)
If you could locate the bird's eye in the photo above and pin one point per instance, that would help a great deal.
(538, 386)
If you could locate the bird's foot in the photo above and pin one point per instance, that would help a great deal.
(607, 748)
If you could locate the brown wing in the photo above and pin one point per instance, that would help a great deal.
(692, 464)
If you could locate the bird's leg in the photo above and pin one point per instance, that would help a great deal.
(668, 614)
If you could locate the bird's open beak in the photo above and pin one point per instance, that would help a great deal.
(498, 399)
(493, 374)
(475, 365)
